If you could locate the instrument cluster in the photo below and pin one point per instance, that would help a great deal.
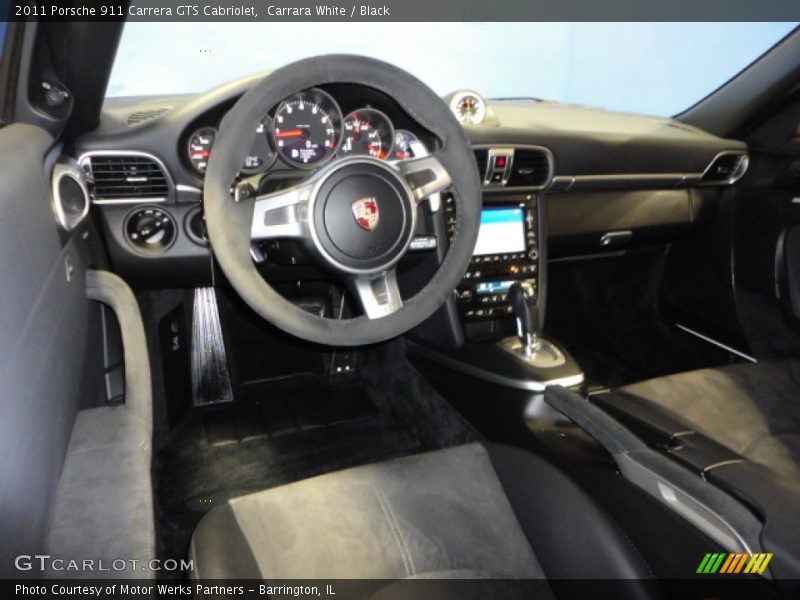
(308, 129)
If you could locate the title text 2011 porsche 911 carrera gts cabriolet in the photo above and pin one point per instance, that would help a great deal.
(323, 322)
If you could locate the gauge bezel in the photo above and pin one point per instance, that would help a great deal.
(315, 94)
(381, 115)
(192, 135)
(410, 134)
(458, 97)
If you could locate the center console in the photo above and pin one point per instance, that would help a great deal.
(507, 251)
(500, 303)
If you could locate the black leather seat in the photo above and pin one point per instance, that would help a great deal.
(463, 512)
(753, 409)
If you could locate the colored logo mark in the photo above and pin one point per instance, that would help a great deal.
(724, 562)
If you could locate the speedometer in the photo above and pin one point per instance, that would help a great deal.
(367, 132)
(307, 128)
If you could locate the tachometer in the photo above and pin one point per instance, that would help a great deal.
(307, 128)
(367, 132)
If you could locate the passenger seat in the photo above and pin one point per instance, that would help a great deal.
(753, 409)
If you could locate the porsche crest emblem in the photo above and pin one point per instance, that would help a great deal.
(365, 212)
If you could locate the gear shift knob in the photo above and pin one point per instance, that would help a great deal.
(523, 300)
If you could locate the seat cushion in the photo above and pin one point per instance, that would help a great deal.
(104, 504)
(441, 511)
(442, 514)
(753, 409)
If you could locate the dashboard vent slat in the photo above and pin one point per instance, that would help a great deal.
(127, 177)
(529, 168)
(140, 116)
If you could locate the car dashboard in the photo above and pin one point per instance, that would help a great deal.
(559, 182)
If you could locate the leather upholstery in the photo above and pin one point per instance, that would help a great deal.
(753, 409)
(443, 514)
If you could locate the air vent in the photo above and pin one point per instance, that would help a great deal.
(140, 116)
(529, 168)
(726, 168)
(123, 178)
(482, 160)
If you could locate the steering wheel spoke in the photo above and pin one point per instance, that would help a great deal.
(282, 214)
(425, 176)
(379, 294)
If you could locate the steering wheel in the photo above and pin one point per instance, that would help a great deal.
(324, 210)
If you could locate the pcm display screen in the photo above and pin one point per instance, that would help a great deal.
(502, 231)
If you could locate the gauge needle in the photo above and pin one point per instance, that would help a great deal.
(289, 133)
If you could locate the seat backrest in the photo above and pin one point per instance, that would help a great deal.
(46, 339)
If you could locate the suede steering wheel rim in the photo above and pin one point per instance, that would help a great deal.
(232, 225)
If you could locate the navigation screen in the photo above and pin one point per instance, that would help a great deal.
(502, 231)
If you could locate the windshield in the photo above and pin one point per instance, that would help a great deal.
(651, 68)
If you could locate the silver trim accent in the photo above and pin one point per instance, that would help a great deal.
(543, 355)
(657, 178)
(566, 183)
(691, 509)
(519, 384)
(705, 338)
(738, 173)
(289, 213)
(722, 463)
(68, 167)
(188, 189)
(508, 150)
(566, 180)
(380, 295)
(84, 160)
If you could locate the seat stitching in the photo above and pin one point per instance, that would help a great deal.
(408, 564)
(401, 536)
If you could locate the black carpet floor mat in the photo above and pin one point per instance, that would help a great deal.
(272, 435)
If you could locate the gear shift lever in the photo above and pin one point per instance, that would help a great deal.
(523, 300)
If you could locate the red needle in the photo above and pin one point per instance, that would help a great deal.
(289, 133)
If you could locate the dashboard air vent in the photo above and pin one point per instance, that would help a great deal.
(529, 168)
(127, 177)
(726, 168)
(482, 160)
(140, 116)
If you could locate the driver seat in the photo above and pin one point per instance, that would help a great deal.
(470, 511)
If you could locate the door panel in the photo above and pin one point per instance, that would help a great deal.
(44, 329)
